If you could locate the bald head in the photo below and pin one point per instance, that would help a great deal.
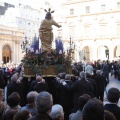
(39, 78)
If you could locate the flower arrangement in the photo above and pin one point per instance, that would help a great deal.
(45, 59)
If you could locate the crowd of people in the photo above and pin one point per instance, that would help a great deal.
(76, 96)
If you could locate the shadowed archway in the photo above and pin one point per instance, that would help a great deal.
(6, 54)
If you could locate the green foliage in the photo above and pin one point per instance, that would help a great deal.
(45, 59)
(61, 68)
(36, 69)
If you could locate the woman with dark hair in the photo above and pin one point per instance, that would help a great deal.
(22, 115)
(93, 110)
(13, 102)
(108, 115)
(9, 115)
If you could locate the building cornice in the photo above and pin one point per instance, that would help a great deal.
(28, 19)
(76, 2)
(7, 28)
(92, 14)
(10, 35)
(6, 31)
(100, 38)
(71, 16)
(100, 13)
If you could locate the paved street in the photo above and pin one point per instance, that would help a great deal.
(113, 83)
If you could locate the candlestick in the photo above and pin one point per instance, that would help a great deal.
(70, 40)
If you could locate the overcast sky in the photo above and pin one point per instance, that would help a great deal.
(35, 3)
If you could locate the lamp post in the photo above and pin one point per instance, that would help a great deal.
(84, 58)
(71, 48)
(80, 55)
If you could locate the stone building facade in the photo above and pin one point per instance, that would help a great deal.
(10, 49)
(23, 17)
(94, 27)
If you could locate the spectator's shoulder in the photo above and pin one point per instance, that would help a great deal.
(23, 108)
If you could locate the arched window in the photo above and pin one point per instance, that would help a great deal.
(6, 47)
(6, 54)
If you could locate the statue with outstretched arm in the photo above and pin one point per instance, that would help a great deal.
(45, 31)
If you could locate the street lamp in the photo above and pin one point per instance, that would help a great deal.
(71, 48)
(84, 58)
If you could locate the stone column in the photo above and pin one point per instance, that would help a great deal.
(93, 54)
(17, 52)
(0, 55)
(14, 52)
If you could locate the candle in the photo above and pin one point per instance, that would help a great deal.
(70, 39)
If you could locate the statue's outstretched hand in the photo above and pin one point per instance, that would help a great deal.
(60, 26)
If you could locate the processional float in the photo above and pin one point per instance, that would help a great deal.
(46, 61)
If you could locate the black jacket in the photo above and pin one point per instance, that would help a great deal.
(39, 87)
(100, 83)
(114, 109)
(80, 87)
(41, 116)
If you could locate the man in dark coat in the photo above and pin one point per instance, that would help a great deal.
(66, 96)
(16, 86)
(32, 84)
(113, 98)
(30, 106)
(93, 83)
(40, 86)
(44, 102)
(101, 84)
(106, 71)
(80, 87)
(116, 69)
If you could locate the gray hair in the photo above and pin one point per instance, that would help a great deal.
(88, 63)
(57, 111)
(82, 74)
(44, 102)
(14, 78)
(98, 72)
(39, 78)
(31, 97)
(68, 77)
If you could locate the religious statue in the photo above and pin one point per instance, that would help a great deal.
(45, 31)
